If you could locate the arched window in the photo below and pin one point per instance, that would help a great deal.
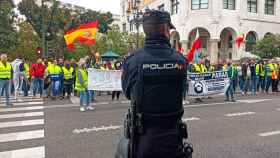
(229, 4)
(250, 41)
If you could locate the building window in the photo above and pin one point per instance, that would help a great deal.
(229, 4)
(252, 6)
(199, 4)
(161, 7)
(174, 6)
(269, 7)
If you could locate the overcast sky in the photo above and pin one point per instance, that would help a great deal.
(99, 5)
(112, 6)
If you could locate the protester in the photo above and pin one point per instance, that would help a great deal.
(81, 86)
(68, 76)
(231, 75)
(26, 77)
(116, 66)
(37, 73)
(17, 76)
(268, 71)
(260, 73)
(6, 73)
(253, 77)
(274, 77)
(56, 77)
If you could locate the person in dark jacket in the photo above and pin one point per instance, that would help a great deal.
(117, 66)
(153, 79)
(253, 76)
(243, 80)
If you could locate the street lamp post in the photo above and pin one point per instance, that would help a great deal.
(43, 30)
(136, 17)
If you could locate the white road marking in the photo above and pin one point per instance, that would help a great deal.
(190, 119)
(22, 123)
(95, 129)
(278, 109)
(269, 133)
(21, 108)
(116, 127)
(21, 136)
(239, 114)
(253, 101)
(28, 103)
(27, 114)
(36, 152)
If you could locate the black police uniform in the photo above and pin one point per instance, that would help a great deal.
(153, 77)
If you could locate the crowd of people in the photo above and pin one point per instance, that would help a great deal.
(59, 78)
(52, 78)
(250, 76)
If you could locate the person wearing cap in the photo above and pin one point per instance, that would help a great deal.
(153, 80)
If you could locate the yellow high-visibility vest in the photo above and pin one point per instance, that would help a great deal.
(5, 71)
(26, 70)
(68, 73)
(78, 85)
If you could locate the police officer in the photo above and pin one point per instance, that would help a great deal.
(153, 79)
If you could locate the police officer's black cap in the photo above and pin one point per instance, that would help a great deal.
(153, 17)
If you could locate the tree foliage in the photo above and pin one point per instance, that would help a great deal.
(268, 47)
(8, 35)
(28, 41)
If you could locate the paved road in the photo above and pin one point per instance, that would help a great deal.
(248, 128)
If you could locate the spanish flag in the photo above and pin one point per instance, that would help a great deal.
(85, 34)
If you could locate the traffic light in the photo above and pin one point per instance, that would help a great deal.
(39, 51)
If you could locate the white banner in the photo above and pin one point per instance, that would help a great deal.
(204, 84)
(199, 84)
(104, 80)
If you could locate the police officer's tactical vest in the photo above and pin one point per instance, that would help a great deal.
(159, 87)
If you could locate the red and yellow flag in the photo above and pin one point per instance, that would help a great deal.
(85, 34)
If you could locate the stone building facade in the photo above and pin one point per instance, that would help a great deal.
(219, 22)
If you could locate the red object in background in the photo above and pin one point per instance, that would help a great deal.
(240, 39)
(196, 45)
(39, 50)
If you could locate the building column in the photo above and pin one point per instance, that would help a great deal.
(185, 46)
(214, 50)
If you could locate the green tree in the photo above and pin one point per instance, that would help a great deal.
(28, 41)
(57, 19)
(8, 34)
(268, 47)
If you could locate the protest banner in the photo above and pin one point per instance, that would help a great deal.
(204, 84)
(104, 80)
(200, 84)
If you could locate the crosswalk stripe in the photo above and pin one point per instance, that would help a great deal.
(21, 123)
(22, 100)
(36, 152)
(17, 115)
(28, 103)
(21, 108)
(21, 136)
